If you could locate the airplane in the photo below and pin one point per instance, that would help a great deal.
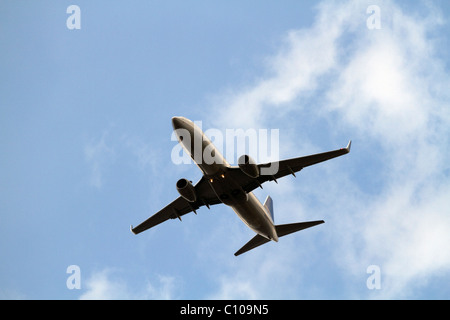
(233, 186)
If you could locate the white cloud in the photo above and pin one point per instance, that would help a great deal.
(144, 153)
(101, 153)
(386, 87)
(385, 93)
(304, 57)
(267, 273)
(105, 285)
(98, 154)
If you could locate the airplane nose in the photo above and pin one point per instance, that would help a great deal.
(182, 123)
(177, 122)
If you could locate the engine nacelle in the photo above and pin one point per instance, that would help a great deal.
(186, 190)
(248, 166)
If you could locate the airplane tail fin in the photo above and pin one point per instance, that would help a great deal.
(268, 205)
(282, 230)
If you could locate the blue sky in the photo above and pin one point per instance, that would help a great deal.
(86, 144)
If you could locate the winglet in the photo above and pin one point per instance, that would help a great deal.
(349, 146)
(131, 229)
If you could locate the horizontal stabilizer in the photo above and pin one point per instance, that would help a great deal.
(252, 244)
(285, 229)
(282, 230)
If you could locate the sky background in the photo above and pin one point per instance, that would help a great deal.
(85, 137)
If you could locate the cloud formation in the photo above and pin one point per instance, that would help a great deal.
(98, 154)
(107, 285)
(385, 87)
(385, 204)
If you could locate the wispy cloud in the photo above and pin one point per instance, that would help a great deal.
(144, 153)
(108, 285)
(304, 56)
(386, 88)
(101, 153)
(98, 154)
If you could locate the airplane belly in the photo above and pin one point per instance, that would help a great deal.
(254, 215)
(245, 205)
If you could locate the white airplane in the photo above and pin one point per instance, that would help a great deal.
(233, 186)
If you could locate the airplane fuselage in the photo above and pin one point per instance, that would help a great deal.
(215, 169)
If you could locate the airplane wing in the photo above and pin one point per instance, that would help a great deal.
(274, 170)
(180, 207)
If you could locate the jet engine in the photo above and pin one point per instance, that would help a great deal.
(248, 166)
(186, 190)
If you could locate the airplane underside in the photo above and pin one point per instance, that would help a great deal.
(233, 186)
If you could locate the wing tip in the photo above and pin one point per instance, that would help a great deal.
(349, 145)
(132, 230)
